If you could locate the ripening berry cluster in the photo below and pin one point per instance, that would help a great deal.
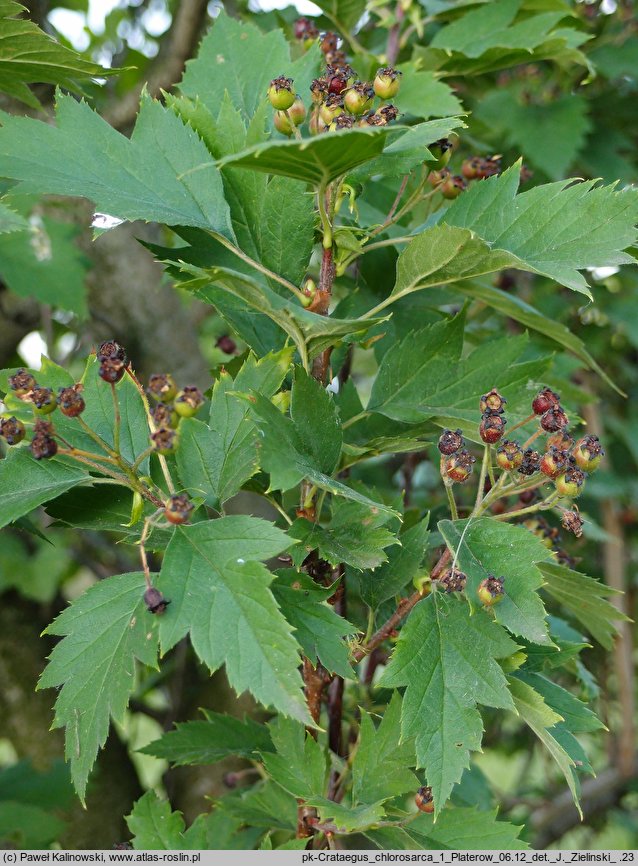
(171, 405)
(564, 461)
(473, 168)
(340, 100)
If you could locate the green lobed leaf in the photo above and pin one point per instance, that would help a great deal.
(447, 659)
(354, 536)
(403, 565)
(318, 628)
(423, 95)
(345, 817)
(344, 14)
(219, 593)
(25, 826)
(28, 55)
(103, 632)
(467, 830)
(217, 458)
(265, 805)
(155, 827)
(46, 264)
(27, 483)
(163, 173)
(382, 761)
(316, 420)
(585, 598)
(210, 741)
(486, 547)
(554, 229)
(577, 717)
(533, 710)
(298, 763)
(10, 221)
(285, 456)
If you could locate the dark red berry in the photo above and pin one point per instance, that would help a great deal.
(544, 400)
(573, 522)
(22, 382)
(493, 403)
(492, 428)
(43, 445)
(490, 590)
(304, 29)
(226, 344)
(178, 508)
(450, 442)
(530, 463)
(12, 430)
(111, 370)
(111, 349)
(526, 497)
(70, 401)
(424, 800)
(155, 601)
(554, 419)
(458, 466)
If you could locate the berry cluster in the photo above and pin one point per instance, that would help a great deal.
(493, 423)
(340, 100)
(457, 462)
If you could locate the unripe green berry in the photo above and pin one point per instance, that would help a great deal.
(43, 399)
(358, 99)
(490, 590)
(570, 483)
(281, 93)
(188, 401)
(387, 82)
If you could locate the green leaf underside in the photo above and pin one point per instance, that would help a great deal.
(486, 547)
(219, 588)
(27, 483)
(103, 632)
(210, 741)
(585, 599)
(533, 710)
(217, 458)
(28, 55)
(319, 630)
(447, 659)
(163, 173)
(382, 761)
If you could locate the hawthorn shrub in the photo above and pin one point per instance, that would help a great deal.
(346, 226)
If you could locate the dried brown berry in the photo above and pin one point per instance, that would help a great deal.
(492, 428)
(382, 116)
(490, 590)
(588, 453)
(164, 440)
(178, 508)
(458, 466)
(155, 601)
(573, 522)
(329, 42)
(188, 401)
(305, 29)
(424, 800)
(43, 446)
(488, 166)
(162, 386)
(342, 121)
(554, 462)
(43, 399)
(509, 455)
(111, 349)
(12, 430)
(22, 382)
(554, 419)
(449, 441)
(111, 370)
(319, 90)
(530, 463)
(71, 401)
(453, 580)
(493, 403)
(544, 400)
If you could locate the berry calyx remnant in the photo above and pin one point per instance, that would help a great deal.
(155, 601)
(162, 387)
(588, 453)
(281, 93)
(188, 401)
(458, 466)
(43, 399)
(493, 402)
(164, 440)
(178, 508)
(453, 580)
(530, 463)
(509, 455)
(424, 800)
(570, 483)
(12, 430)
(491, 590)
